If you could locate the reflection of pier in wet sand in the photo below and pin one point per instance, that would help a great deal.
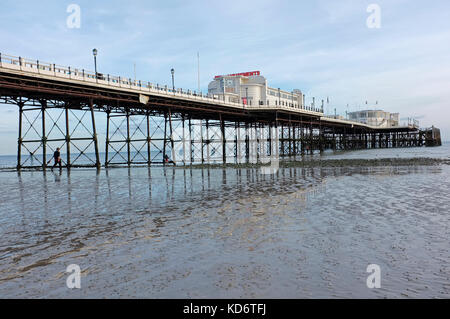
(170, 232)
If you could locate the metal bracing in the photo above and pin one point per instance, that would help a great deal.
(224, 140)
(169, 136)
(229, 146)
(45, 125)
(176, 146)
(214, 141)
(137, 136)
(239, 143)
(183, 139)
(247, 143)
(126, 139)
(94, 135)
(196, 141)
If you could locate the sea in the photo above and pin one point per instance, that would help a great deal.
(233, 232)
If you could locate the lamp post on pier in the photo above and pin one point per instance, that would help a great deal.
(173, 81)
(94, 52)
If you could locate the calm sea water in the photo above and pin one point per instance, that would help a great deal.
(213, 233)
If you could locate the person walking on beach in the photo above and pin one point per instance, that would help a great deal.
(57, 157)
(167, 160)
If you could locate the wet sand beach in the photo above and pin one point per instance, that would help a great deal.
(307, 231)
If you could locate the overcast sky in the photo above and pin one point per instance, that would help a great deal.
(322, 47)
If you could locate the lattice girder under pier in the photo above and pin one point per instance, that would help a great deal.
(136, 138)
(45, 125)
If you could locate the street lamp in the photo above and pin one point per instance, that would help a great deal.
(94, 52)
(173, 82)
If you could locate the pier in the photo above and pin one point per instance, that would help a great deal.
(145, 122)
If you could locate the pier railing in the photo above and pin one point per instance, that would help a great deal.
(71, 73)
